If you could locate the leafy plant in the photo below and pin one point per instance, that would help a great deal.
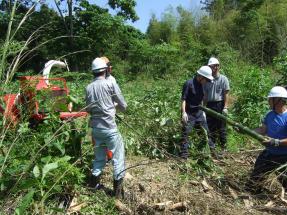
(251, 105)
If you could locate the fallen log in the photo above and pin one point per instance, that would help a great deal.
(240, 127)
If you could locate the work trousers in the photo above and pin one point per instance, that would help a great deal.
(198, 118)
(112, 140)
(217, 127)
(265, 164)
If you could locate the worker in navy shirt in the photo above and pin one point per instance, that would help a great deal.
(192, 97)
(275, 128)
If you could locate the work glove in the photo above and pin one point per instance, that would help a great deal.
(184, 117)
(204, 115)
(271, 142)
(225, 111)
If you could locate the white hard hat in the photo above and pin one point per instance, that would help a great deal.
(277, 92)
(98, 65)
(212, 61)
(206, 72)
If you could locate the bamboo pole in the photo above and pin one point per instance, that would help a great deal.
(240, 127)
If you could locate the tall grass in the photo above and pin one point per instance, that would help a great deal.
(34, 163)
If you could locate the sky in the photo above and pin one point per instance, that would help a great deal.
(145, 8)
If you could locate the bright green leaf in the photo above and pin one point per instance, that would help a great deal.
(47, 168)
(59, 146)
(36, 171)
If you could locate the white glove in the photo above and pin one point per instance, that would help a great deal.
(225, 111)
(184, 117)
(204, 115)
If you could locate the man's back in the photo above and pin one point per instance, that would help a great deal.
(100, 97)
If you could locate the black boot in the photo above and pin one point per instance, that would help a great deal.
(95, 182)
(184, 151)
(119, 189)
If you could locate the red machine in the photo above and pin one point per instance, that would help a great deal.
(38, 96)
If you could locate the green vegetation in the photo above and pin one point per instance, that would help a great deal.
(41, 166)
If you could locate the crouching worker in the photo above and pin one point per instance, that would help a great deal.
(192, 97)
(275, 154)
(101, 95)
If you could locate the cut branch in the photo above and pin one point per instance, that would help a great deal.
(240, 127)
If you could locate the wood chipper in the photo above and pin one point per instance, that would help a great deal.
(37, 97)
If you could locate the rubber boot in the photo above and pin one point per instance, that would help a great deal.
(95, 182)
(119, 189)
(184, 151)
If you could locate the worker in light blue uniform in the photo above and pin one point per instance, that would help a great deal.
(101, 97)
(275, 128)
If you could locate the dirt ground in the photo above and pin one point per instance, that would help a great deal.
(169, 186)
(164, 187)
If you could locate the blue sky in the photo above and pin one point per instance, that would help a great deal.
(145, 8)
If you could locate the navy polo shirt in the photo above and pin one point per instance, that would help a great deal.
(192, 93)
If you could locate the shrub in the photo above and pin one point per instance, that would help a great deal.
(251, 103)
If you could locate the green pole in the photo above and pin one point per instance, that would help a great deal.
(242, 128)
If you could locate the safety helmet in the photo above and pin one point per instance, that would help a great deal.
(98, 65)
(206, 72)
(212, 61)
(105, 59)
(277, 92)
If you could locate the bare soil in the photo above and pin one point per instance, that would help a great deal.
(169, 186)
(164, 187)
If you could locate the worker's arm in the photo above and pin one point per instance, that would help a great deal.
(226, 98)
(261, 130)
(118, 98)
(204, 101)
(270, 141)
(184, 116)
(184, 94)
(88, 102)
(275, 142)
(226, 89)
(283, 142)
(183, 104)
